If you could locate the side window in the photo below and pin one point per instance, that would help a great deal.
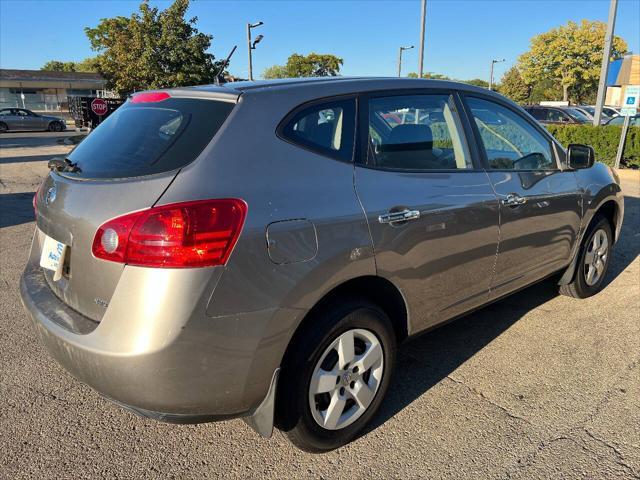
(510, 141)
(327, 128)
(5, 112)
(417, 132)
(538, 113)
(556, 116)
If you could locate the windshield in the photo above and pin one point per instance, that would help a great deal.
(578, 115)
(633, 121)
(147, 138)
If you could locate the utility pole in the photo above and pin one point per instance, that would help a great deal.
(423, 18)
(493, 62)
(400, 58)
(606, 55)
(251, 46)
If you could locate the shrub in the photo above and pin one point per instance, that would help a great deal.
(604, 140)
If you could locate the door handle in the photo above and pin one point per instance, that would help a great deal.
(513, 200)
(401, 216)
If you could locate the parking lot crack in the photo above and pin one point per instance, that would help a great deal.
(490, 401)
(609, 392)
(620, 460)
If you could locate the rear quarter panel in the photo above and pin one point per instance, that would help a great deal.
(280, 182)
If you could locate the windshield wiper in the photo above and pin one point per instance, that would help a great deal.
(63, 165)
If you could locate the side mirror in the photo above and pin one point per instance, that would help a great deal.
(580, 156)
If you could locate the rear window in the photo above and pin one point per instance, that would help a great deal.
(148, 138)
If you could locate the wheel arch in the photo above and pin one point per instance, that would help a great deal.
(609, 209)
(376, 289)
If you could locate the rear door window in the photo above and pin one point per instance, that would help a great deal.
(148, 138)
(416, 132)
(327, 128)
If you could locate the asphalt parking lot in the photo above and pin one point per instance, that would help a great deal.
(535, 386)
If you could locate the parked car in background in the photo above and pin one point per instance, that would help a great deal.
(611, 112)
(619, 120)
(557, 115)
(590, 113)
(260, 250)
(23, 119)
(578, 114)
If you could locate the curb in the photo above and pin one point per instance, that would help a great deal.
(628, 174)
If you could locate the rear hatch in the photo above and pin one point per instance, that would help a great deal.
(124, 165)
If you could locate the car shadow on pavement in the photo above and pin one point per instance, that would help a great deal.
(16, 209)
(429, 358)
(26, 158)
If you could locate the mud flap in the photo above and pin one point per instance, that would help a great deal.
(262, 418)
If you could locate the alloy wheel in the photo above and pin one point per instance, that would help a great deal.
(346, 379)
(595, 259)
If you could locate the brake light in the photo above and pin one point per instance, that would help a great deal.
(149, 97)
(188, 234)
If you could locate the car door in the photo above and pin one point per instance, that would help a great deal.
(540, 204)
(6, 117)
(431, 210)
(12, 119)
(30, 121)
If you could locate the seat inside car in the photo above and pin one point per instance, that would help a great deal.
(409, 146)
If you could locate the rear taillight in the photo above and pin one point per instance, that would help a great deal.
(189, 234)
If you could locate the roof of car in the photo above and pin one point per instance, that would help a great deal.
(366, 83)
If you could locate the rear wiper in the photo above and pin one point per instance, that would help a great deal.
(63, 165)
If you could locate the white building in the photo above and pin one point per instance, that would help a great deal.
(43, 91)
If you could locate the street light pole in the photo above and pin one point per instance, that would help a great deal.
(400, 58)
(252, 46)
(604, 68)
(423, 18)
(493, 62)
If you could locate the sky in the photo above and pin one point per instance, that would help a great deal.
(462, 36)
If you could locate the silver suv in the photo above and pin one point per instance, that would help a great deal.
(260, 250)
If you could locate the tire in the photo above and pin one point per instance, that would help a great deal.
(355, 321)
(3, 127)
(591, 268)
(55, 127)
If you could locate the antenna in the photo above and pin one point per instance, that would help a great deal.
(224, 65)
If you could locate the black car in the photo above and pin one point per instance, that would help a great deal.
(557, 115)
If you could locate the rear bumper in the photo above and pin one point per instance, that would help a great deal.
(184, 370)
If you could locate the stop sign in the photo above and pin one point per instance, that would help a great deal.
(99, 106)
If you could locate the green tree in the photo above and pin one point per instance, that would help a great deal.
(58, 66)
(429, 75)
(547, 89)
(478, 82)
(570, 55)
(513, 86)
(90, 64)
(152, 49)
(312, 65)
(275, 71)
(87, 65)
